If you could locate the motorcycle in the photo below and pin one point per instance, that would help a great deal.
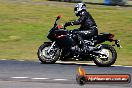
(102, 54)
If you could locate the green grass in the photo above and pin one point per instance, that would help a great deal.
(24, 26)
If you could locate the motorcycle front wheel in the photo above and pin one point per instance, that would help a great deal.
(107, 56)
(48, 58)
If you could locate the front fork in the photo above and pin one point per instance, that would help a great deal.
(51, 47)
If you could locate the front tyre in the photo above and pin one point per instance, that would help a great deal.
(48, 58)
(107, 56)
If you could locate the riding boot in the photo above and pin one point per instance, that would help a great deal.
(82, 45)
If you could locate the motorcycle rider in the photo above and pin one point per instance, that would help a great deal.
(88, 26)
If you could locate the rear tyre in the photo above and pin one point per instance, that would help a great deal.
(48, 58)
(109, 58)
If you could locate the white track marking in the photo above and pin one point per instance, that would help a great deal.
(71, 62)
(41, 78)
(19, 77)
(117, 65)
(66, 62)
(21, 60)
(3, 59)
(35, 78)
(86, 63)
(60, 79)
(121, 66)
(127, 66)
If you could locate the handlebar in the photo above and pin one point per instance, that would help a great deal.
(64, 27)
(58, 17)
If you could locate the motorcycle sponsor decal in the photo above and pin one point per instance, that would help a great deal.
(61, 36)
(83, 78)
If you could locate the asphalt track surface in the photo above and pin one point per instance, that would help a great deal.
(23, 74)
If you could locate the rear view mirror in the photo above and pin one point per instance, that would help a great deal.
(58, 17)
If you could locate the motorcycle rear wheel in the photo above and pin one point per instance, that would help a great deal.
(46, 58)
(102, 61)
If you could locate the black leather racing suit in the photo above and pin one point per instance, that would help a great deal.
(88, 26)
(87, 29)
(86, 21)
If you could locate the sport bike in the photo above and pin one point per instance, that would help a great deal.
(101, 54)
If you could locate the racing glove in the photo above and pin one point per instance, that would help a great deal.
(68, 24)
